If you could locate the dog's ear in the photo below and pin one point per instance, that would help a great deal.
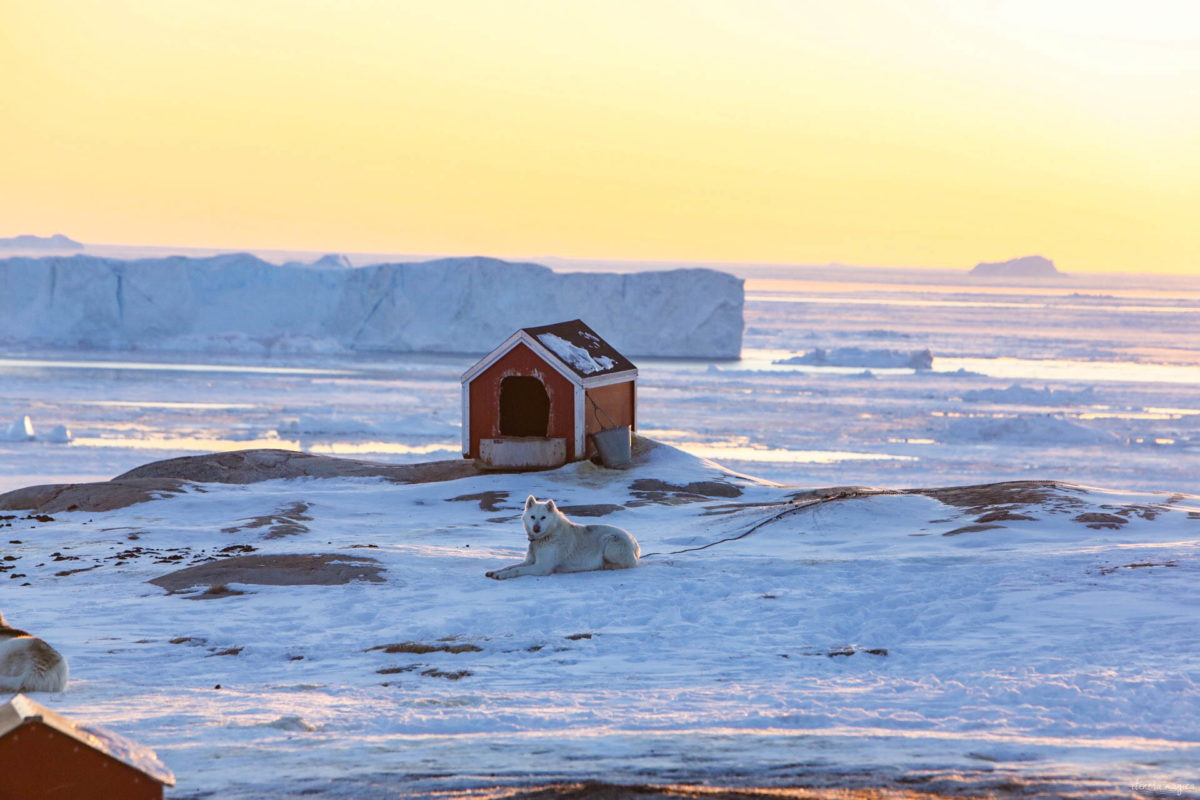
(551, 507)
(529, 501)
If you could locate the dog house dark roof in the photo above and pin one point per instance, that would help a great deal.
(580, 348)
(20, 711)
(572, 347)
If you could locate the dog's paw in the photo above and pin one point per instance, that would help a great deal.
(491, 575)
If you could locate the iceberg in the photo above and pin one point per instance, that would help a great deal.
(240, 303)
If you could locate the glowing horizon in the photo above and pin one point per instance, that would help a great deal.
(936, 133)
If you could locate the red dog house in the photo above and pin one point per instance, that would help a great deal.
(44, 755)
(533, 401)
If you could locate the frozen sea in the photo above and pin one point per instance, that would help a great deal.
(1089, 379)
(1036, 644)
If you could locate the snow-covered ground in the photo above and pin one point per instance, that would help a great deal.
(888, 636)
(1043, 650)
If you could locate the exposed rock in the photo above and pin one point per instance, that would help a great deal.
(420, 648)
(252, 466)
(591, 510)
(984, 498)
(652, 490)
(286, 521)
(161, 478)
(314, 569)
(488, 501)
(103, 496)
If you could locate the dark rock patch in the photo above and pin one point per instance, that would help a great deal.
(160, 479)
(433, 672)
(594, 510)
(488, 501)
(1140, 565)
(104, 496)
(314, 569)
(971, 529)
(1004, 515)
(232, 651)
(1141, 512)
(251, 466)
(1100, 521)
(64, 573)
(397, 670)
(215, 592)
(985, 498)
(652, 490)
(849, 651)
(420, 648)
(286, 521)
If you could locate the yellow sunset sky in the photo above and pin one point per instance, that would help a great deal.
(925, 133)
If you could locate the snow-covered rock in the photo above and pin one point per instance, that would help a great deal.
(240, 303)
(21, 430)
(858, 357)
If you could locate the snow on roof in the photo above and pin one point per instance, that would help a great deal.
(20, 710)
(580, 348)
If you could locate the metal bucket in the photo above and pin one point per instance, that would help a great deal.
(614, 446)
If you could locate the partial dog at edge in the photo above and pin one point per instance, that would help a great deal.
(27, 664)
(558, 545)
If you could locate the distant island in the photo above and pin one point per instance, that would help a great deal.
(28, 242)
(1024, 267)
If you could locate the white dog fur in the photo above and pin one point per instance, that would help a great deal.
(27, 664)
(558, 545)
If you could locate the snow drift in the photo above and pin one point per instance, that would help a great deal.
(241, 303)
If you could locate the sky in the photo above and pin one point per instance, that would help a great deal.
(931, 133)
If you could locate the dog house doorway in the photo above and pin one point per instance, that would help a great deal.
(524, 407)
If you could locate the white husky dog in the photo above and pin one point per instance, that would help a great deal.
(27, 664)
(558, 545)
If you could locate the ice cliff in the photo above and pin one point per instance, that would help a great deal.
(239, 303)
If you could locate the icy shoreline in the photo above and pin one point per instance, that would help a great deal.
(241, 304)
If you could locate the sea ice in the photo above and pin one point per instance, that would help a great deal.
(858, 357)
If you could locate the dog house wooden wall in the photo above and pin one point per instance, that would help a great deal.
(45, 755)
(542, 393)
